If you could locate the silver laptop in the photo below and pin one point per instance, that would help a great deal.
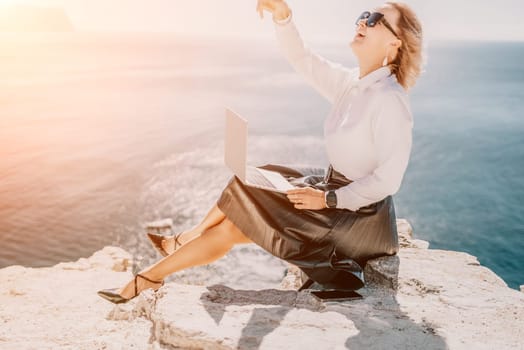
(236, 158)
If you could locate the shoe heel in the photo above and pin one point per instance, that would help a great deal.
(156, 240)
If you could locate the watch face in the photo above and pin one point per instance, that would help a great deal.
(331, 199)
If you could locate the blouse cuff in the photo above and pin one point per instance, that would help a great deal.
(285, 20)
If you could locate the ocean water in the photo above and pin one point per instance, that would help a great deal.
(100, 134)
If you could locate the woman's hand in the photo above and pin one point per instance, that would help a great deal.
(278, 8)
(307, 198)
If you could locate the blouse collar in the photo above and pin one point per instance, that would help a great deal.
(370, 78)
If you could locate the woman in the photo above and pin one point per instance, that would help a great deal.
(345, 212)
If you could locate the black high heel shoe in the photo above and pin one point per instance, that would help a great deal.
(156, 240)
(113, 296)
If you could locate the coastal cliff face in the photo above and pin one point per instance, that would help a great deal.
(419, 299)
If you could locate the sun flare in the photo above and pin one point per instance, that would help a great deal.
(9, 2)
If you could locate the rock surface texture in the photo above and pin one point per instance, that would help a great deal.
(418, 299)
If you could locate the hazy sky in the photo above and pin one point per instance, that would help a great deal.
(317, 19)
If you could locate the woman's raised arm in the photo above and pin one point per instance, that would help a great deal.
(325, 76)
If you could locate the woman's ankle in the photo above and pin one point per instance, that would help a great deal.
(150, 279)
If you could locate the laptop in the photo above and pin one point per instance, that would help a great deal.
(236, 158)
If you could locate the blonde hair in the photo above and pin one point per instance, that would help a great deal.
(410, 59)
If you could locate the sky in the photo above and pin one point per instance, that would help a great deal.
(331, 20)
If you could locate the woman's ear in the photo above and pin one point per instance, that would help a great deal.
(397, 43)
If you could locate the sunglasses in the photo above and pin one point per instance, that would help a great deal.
(374, 18)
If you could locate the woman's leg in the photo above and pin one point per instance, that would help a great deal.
(213, 217)
(207, 247)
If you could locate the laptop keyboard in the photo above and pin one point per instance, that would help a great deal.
(254, 177)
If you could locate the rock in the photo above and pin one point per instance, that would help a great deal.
(418, 299)
(405, 236)
(522, 287)
(160, 226)
(382, 272)
(219, 317)
(404, 229)
(293, 278)
(113, 258)
(57, 307)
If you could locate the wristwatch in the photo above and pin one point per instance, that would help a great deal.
(331, 199)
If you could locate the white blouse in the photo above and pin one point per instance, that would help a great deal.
(368, 131)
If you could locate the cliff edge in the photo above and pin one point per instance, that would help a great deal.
(419, 299)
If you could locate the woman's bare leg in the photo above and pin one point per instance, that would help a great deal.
(207, 247)
(213, 217)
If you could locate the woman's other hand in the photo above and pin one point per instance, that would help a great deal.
(307, 198)
(278, 8)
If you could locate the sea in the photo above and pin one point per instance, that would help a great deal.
(102, 133)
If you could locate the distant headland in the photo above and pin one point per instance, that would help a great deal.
(26, 18)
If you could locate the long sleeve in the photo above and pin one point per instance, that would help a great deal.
(392, 134)
(325, 76)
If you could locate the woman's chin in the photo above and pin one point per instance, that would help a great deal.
(355, 47)
(355, 43)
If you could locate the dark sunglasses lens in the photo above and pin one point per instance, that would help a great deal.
(374, 18)
(364, 15)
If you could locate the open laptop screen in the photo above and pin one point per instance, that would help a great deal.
(235, 154)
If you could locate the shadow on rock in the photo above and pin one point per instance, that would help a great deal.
(375, 322)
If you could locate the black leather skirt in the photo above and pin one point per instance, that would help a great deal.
(310, 238)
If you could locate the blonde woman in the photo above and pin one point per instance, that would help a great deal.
(338, 217)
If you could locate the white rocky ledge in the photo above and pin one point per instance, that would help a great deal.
(419, 299)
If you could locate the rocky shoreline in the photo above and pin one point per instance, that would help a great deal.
(420, 298)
